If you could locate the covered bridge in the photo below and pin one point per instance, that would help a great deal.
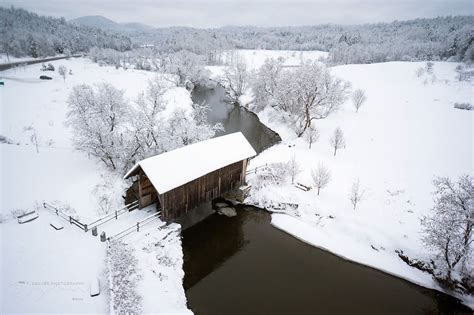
(184, 178)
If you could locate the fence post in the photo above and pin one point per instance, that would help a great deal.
(44, 204)
(138, 226)
(85, 228)
(94, 231)
(115, 214)
(70, 220)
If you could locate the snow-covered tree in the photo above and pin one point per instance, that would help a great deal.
(97, 116)
(148, 124)
(312, 135)
(307, 93)
(264, 83)
(357, 193)
(62, 70)
(184, 129)
(123, 275)
(187, 67)
(236, 80)
(321, 176)
(337, 140)
(448, 230)
(429, 67)
(358, 99)
(294, 168)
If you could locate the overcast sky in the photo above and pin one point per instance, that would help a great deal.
(215, 13)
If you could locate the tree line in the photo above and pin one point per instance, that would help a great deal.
(23, 33)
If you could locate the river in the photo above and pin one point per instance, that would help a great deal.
(243, 265)
(233, 117)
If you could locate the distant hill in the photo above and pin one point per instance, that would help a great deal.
(23, 33)
(107, 24)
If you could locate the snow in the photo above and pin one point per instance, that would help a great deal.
(406, 133)
(255, 58)
(10, 59)
(49, 271)
(172, 169)
(46, 271)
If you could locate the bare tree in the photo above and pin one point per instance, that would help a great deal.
(293, 168)
(98, 118)
(236, 80)
(358, 99)
(448, 231)
(33, 137)
(307, 93)
(337, 140)
(321, 176)
(62, 70)
(357, 194)
(311, 135)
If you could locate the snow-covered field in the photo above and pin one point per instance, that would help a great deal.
(254, 58)
(36, 258)
(407, 133)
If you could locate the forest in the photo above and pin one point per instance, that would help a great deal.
(24, 33)
(443, 38)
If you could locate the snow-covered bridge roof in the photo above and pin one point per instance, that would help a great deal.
(172, 169)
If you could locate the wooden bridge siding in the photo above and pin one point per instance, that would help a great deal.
(178, 201)
(146, 191)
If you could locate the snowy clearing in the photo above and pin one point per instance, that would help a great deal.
(407, 133)
(254, 58)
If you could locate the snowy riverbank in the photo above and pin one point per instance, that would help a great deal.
(407, 133)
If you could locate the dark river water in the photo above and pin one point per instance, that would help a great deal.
(234, 118)
(243, 265)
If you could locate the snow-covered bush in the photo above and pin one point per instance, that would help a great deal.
(271, 175)
(465, 106)
(464, 73)
(106, 194)
(448, 230)
(123, 274)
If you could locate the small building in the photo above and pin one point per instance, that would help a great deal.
(182, 179)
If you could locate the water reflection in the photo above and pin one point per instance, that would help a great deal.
(233, 117)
